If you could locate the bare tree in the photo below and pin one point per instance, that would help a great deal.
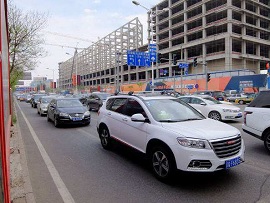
(24, 40)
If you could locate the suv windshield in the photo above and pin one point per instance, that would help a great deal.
(172, 110)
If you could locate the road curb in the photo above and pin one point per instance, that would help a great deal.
(27, 187)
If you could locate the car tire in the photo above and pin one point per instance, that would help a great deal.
(267, 141)
(214, 115)
(37, 111)
(105, 138)
(88, 123)
(241, 102)
(56, 122)
(163, 163)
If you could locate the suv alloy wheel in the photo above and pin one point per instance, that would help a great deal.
(163, 163)
(105, 138)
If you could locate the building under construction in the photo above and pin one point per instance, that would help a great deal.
(104, 61)
(223, 35)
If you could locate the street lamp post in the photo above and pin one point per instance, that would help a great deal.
(76, 69)
(150, 14)
(53, 76)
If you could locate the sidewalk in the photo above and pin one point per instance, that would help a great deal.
(20, 185)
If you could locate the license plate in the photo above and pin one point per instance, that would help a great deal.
(76, 119)
(232, 162)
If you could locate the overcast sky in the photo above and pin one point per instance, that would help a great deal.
(84, 19)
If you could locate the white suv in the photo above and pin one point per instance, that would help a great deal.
(257, 118)
(171, 133)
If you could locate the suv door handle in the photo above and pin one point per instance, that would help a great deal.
(124, 119)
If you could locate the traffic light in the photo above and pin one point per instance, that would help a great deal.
(208, 77)
(174, 59)
(195, 63)
(267, 65)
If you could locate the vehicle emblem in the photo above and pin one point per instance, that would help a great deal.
(230, 142)
(76, 115)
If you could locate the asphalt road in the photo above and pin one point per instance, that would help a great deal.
(68, 164)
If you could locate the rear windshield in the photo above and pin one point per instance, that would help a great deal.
(262, 100)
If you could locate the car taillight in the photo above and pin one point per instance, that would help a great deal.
(245, 116)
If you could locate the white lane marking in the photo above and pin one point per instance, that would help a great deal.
(62, 189)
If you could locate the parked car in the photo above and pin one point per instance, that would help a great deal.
(35, 98)
(244, 100)
(96, 100)
(212, 108)
(257, 118)
(218, 95)
(233, 97)
(172, 134)
(42, 104)
(67, 111)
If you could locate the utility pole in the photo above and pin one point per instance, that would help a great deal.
(206, 79)
(117, 71)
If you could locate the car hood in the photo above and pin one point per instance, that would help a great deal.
(73, 110)
(45, 105)
(208, 129)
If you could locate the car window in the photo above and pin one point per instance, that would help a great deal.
(185, 99)
(109, 103)
(212, 101)
(195, 101)
(134, 107)
(118, 105)
(171, 110)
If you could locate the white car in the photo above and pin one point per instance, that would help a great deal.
(212, 108)
(257, 118)
(173, 135)
(42, 104)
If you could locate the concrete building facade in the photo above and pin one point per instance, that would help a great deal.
(224, 35)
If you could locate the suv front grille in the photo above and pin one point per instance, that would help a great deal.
(228, 147)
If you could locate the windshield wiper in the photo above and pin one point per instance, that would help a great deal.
(169, 121)
(191, 119)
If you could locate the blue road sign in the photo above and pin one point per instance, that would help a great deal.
(186, 71)
(152, 49)
(183, 65)
(147, 59)
(190, 87)
(135, 58)
(140, 59)
(131, 58)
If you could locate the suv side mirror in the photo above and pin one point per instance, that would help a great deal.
(138, 117)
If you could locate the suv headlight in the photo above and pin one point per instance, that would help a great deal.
(63, 114)
(227, 110)
(87, 113)
(193, 143)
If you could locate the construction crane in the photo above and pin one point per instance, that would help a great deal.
(68, 36)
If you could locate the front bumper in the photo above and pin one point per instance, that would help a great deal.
(209, 162)
(231, 115)
(64, 120)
